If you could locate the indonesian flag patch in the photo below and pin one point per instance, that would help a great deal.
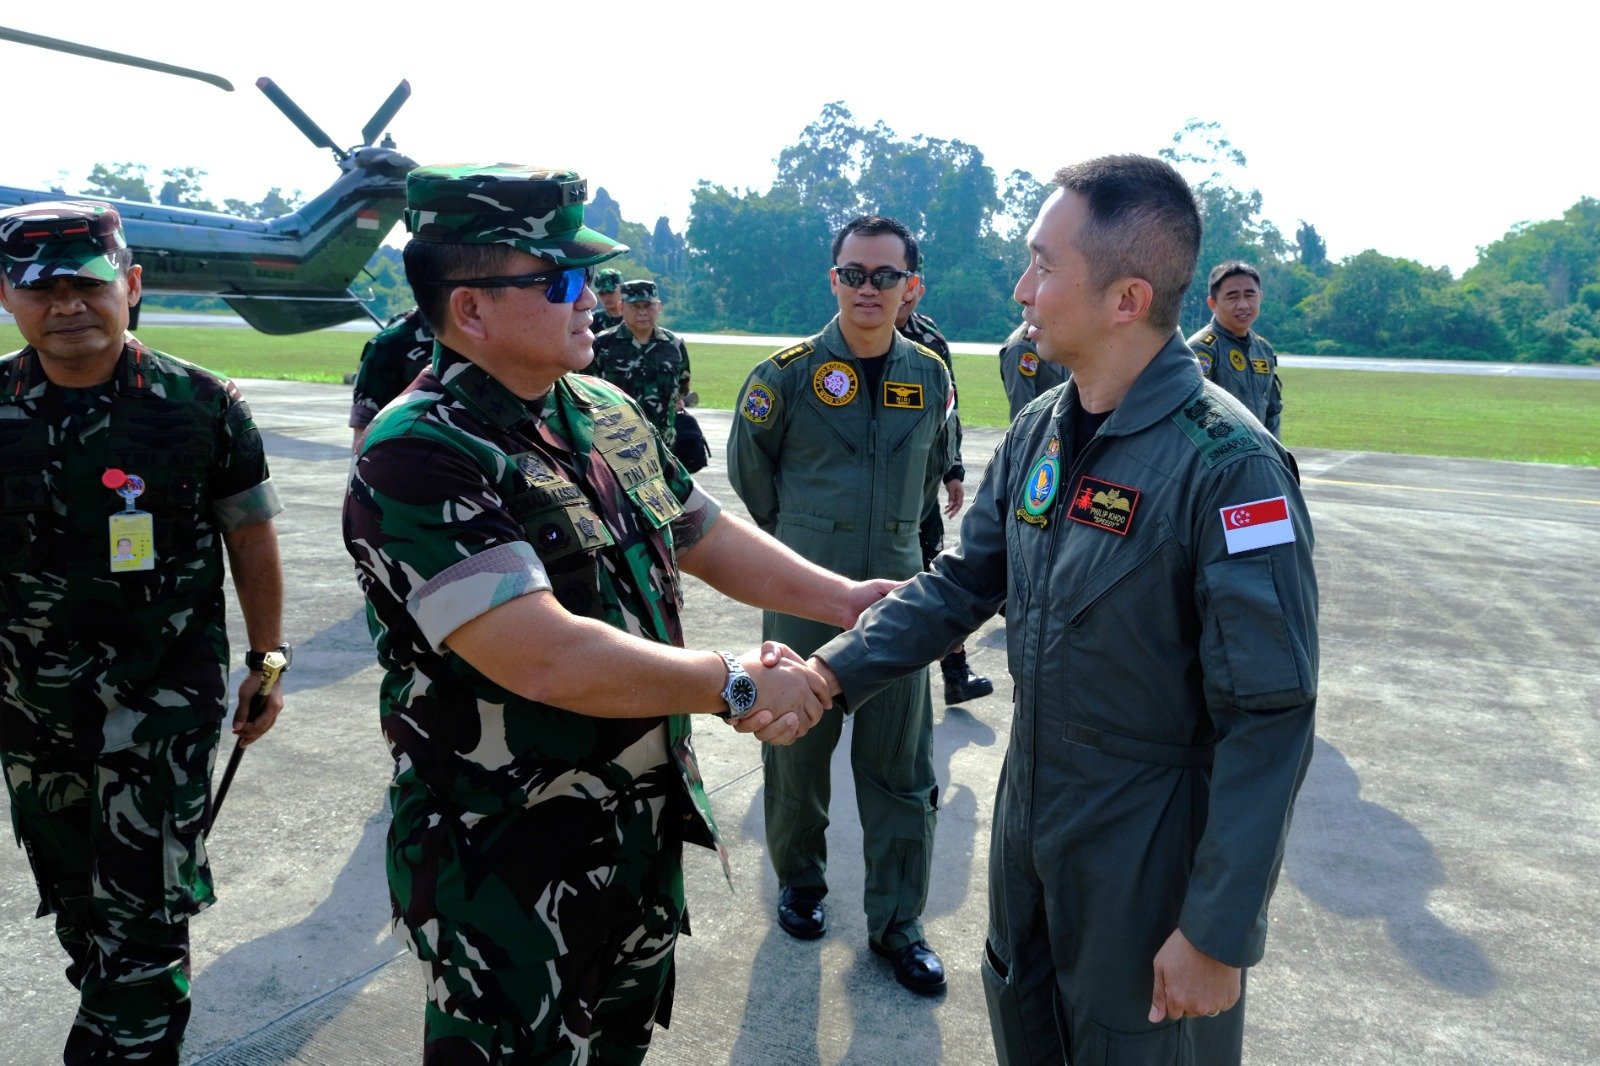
(1257, 525)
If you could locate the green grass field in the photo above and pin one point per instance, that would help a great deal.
(1535, 419)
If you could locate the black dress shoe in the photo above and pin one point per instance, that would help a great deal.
(800, 913)
(917, 966)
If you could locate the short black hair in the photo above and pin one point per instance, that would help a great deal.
(1143, 222)
(872, 226)
(1223, 271)
(429, 262)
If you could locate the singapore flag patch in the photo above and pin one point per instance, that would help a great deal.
(1257, 525)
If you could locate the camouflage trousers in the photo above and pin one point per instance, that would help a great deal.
(594, 1004)
(117, 848)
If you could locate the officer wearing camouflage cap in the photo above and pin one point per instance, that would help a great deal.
(608, 286)
(647, 362)
(518, 531)
(127, 473)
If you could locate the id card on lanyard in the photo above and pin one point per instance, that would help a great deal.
(132, 533)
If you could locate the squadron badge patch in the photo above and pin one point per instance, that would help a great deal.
(1104, 505)
(1028, 365)
(757, 403)
(835, 383)
(1039, 492)
(1236, 358)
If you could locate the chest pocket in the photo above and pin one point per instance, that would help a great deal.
(176, 475)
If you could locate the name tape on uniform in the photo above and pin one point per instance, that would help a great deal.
(1257, 525)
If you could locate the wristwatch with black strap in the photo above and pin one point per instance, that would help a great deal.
(257, 661)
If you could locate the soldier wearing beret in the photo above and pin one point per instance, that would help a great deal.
(1234, 355)
(608, 286)
(839, 447)
(647, 362)
(390, 361)
(518, 531)
(128, 473)
(1152, 549)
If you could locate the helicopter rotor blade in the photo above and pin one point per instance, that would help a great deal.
(72, 48)
(302, 121)
(386, 111)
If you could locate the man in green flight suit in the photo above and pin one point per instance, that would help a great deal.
(127, 476)
(647, 362)
(1151, 547)
(390, 361)
(1231, 353)
(518, 530)
(608, 286)
(840, 444)
(1023, 374)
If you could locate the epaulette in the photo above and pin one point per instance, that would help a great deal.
(927, 351)
(1209, 337)
(789, 355)
(1216, 432)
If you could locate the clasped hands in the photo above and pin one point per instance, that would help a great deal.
(791, 695)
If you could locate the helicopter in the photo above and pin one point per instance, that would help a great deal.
(282, 275)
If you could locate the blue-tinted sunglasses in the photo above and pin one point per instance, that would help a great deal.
(562, 286)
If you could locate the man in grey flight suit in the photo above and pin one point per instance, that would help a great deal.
(839, 446)
(1249, 369)
(1153, 551)
(1023, 373)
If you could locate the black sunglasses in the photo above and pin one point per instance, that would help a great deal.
(565, 285)
(882, 278)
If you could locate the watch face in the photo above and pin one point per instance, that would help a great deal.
(742, 693)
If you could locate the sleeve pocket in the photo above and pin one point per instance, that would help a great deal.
(1251, 628)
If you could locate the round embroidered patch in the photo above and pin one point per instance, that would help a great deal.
(757, 405)
(1236, 358)
(1041, 488)
(835, 383)
(1028, 365)
(1205, 360)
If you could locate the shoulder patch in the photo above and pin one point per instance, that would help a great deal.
(789, 355)
(927, 351)
(1216, 433)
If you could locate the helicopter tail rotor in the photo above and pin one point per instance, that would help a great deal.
(302, 121)
(386, 111)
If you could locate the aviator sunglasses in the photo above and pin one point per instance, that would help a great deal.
(882, 278)
(563, 286)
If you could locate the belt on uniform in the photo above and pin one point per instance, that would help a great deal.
(1149, 751)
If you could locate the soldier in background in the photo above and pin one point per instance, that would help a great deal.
(390, 361)
(647, 362)
(127, 474)
(961, 683)
(607, 284)
(1249, 369)
(1023, 373)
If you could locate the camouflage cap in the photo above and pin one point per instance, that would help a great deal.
(608, 281)
(639, 292)
(60, 239)
(536, 209)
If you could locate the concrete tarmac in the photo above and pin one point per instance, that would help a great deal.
(1438, 898)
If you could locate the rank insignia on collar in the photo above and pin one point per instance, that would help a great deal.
(1104, 505)
(835, 383)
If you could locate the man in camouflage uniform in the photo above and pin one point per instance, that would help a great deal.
(1231, 353)
(126, 474)
(518, 532)
(647, 362)
(1023, 373)
(390, 361)
(961, 682)
(608, 286)
(840, 447)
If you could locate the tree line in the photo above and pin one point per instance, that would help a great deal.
(755, 261)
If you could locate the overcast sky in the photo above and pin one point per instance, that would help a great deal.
(1423, 130)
